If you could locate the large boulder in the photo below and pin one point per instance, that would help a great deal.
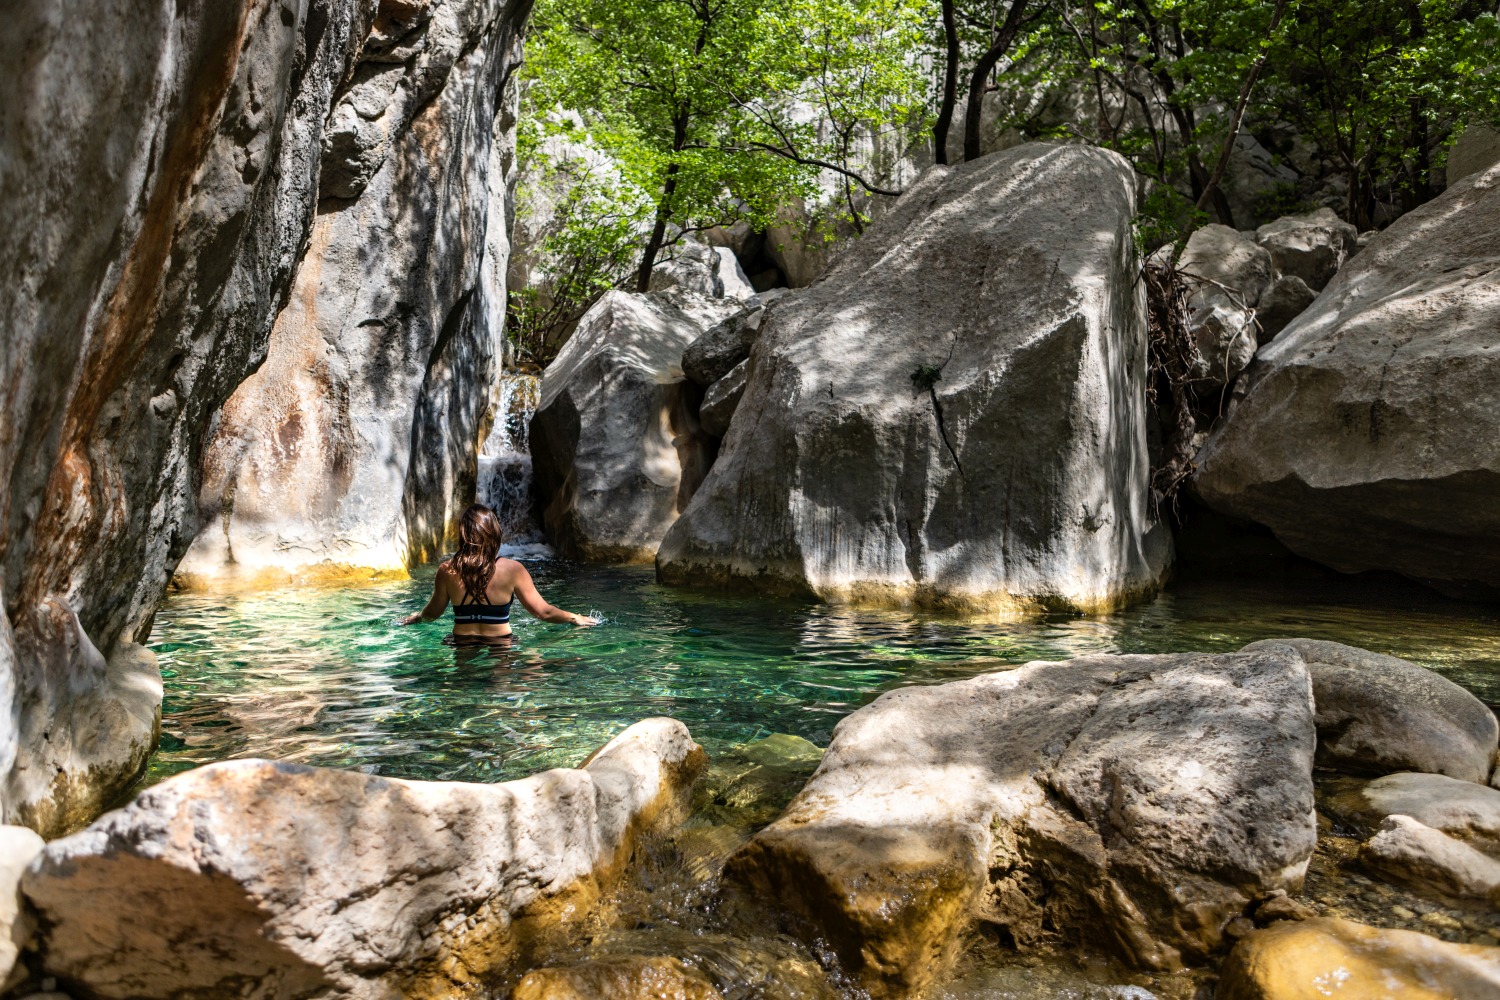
(723, 346)
(162, 184)
(1368, 432)
(1312, 247)
(617, 450)
(1378, 714)
(1227, 275)
(351, 452)
(18, 846)
(722, 399)
(1328, 957)
(1286, 299)
(315, 882)
(1478, 148)
(1140, 801)
(875, 455)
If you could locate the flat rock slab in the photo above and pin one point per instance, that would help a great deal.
(1326, 957)
(1140, 801)
(258, 879)
(1380, 714)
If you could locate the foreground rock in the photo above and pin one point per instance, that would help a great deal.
(351, 450)
(1138, 802)
(315, 882)
(18, 845)
(617, 449)
(875, 454)
(1379, 714)
(1340, 443)
(1322, 958)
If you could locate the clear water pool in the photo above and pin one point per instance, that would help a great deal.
(322, 677)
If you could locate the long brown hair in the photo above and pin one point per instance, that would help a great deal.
(478, 548)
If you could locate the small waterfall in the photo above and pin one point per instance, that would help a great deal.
(505, 465)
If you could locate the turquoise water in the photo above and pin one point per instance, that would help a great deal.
(322, 677)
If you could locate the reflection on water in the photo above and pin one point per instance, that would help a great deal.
(322, 677)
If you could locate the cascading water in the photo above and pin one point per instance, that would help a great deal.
(505, 465)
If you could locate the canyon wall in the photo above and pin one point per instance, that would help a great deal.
(174, 174)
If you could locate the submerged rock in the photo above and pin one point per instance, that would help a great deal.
(1378, 714)
(1326, 957)
(617, 449)
(1138, 802)
(1366, 434)
(655, 978)
(1311, 247)
(875, 454)
(314, 882)
(18, 846)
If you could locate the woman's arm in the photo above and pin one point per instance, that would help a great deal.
(436, 605)
(532, 601)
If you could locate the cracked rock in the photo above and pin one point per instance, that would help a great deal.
(1146, 801)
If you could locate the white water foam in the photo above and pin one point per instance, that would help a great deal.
(505, 467)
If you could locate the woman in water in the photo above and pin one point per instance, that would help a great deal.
(482, 586)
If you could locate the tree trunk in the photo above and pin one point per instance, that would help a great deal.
(950, 86)
(973, 114)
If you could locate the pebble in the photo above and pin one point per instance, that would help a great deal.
(1439, 919)
(1403, 913)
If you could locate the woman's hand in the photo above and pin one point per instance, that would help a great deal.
(410, 619)
(585, 620)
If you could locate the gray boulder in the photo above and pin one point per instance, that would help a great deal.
(1461, 809)
(1311, 247)
(315, 882)
(1432, 862)
(722, 399)
(722, 346)
(18, 846)
(1140, 801)
(617, 449)
(1379, 714)
(1367, 434)
(1478, 148)
(1228, 274)
(1283, 302)
(701, 270)
(875, 453)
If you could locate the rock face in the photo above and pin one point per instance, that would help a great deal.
(616, 444)
(1342, 445)
(874, 456)
(352, 449)
(159, 180)
(1311, 247)
(1322, 958)
(314, 882)
(18, 845)
(722, 399)
(1142, 800)
(1378, 714)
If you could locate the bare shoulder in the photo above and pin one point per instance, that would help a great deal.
(512, 570)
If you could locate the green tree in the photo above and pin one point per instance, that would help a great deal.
(722, 110)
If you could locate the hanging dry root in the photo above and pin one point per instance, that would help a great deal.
(1172, 356)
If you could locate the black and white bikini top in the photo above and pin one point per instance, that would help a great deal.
(483, 614)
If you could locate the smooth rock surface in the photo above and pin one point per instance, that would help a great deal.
(18, 846)
(352, 451)
(656, 978)
(159, 180)
(1478, 148)
(1432, 862)
(874, 456)
(314, 882)
(722, 399)
(1379, 714)
(1462, 809)
(1342, 443)
(1140, 802)
(616, 446)
(1312, 247)
(1326, 957)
